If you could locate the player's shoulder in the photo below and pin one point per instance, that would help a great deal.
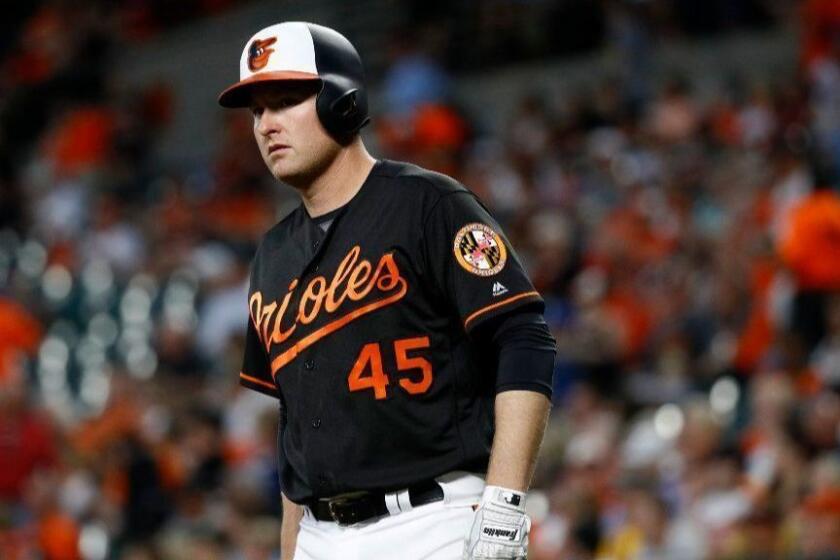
(407, 175)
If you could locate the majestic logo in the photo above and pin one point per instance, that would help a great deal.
(499, 289)
(480, 250)
(353, 280)
(258, 53)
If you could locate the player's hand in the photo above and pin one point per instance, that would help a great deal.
(500, 528)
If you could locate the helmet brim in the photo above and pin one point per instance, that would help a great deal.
(239, 94)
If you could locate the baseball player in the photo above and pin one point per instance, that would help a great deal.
(393, 320)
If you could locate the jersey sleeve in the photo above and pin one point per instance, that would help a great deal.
(256, 373)
(472, 263)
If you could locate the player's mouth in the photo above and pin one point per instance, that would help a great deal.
(277, 148)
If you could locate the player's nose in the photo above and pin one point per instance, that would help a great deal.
(267, 121)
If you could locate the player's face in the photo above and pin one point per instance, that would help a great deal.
(293, 143)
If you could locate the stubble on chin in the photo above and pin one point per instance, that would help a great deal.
(285, 172)
(279, 171)
(276, 166)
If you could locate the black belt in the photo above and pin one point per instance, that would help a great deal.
(367, 505)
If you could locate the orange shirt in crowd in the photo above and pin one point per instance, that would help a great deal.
(80, 140)
(811, 244)
(58, 536)
(19, 332)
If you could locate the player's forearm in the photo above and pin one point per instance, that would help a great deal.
(521, 417)
(292, 513)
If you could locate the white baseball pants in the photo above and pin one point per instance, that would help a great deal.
(433, 531)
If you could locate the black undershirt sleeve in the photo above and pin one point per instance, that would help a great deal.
(525, 350)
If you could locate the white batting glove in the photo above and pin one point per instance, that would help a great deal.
(500, 529)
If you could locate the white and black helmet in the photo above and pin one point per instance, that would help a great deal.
(306, 51)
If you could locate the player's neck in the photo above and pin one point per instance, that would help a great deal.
(339, 182)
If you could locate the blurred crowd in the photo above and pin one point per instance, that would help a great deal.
(469, 36)
(688, 249)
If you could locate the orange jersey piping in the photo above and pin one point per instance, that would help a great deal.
(497, 304)
(257, 381)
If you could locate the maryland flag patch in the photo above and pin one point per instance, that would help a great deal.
(480, 250)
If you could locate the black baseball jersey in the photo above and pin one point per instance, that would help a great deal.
(362, 333)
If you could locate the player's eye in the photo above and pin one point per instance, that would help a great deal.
(256, 111)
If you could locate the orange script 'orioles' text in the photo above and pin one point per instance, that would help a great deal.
(353, 280)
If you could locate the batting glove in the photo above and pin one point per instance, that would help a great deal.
(500, 528)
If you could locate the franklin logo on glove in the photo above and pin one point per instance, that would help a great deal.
(496, 532)
(500, 528)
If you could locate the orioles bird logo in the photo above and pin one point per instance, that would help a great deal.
(259, 52)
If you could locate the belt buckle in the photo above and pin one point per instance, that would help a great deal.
(346, 517)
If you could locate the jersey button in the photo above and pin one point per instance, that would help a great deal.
(315, 244)
(309, 364)
(316, 423)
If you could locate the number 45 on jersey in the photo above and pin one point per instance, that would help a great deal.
(367, 372)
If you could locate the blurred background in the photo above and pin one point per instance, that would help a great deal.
(666, 169)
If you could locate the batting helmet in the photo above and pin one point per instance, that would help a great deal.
(305, 51)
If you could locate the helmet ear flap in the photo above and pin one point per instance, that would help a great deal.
(342, 106)
(346, 106)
